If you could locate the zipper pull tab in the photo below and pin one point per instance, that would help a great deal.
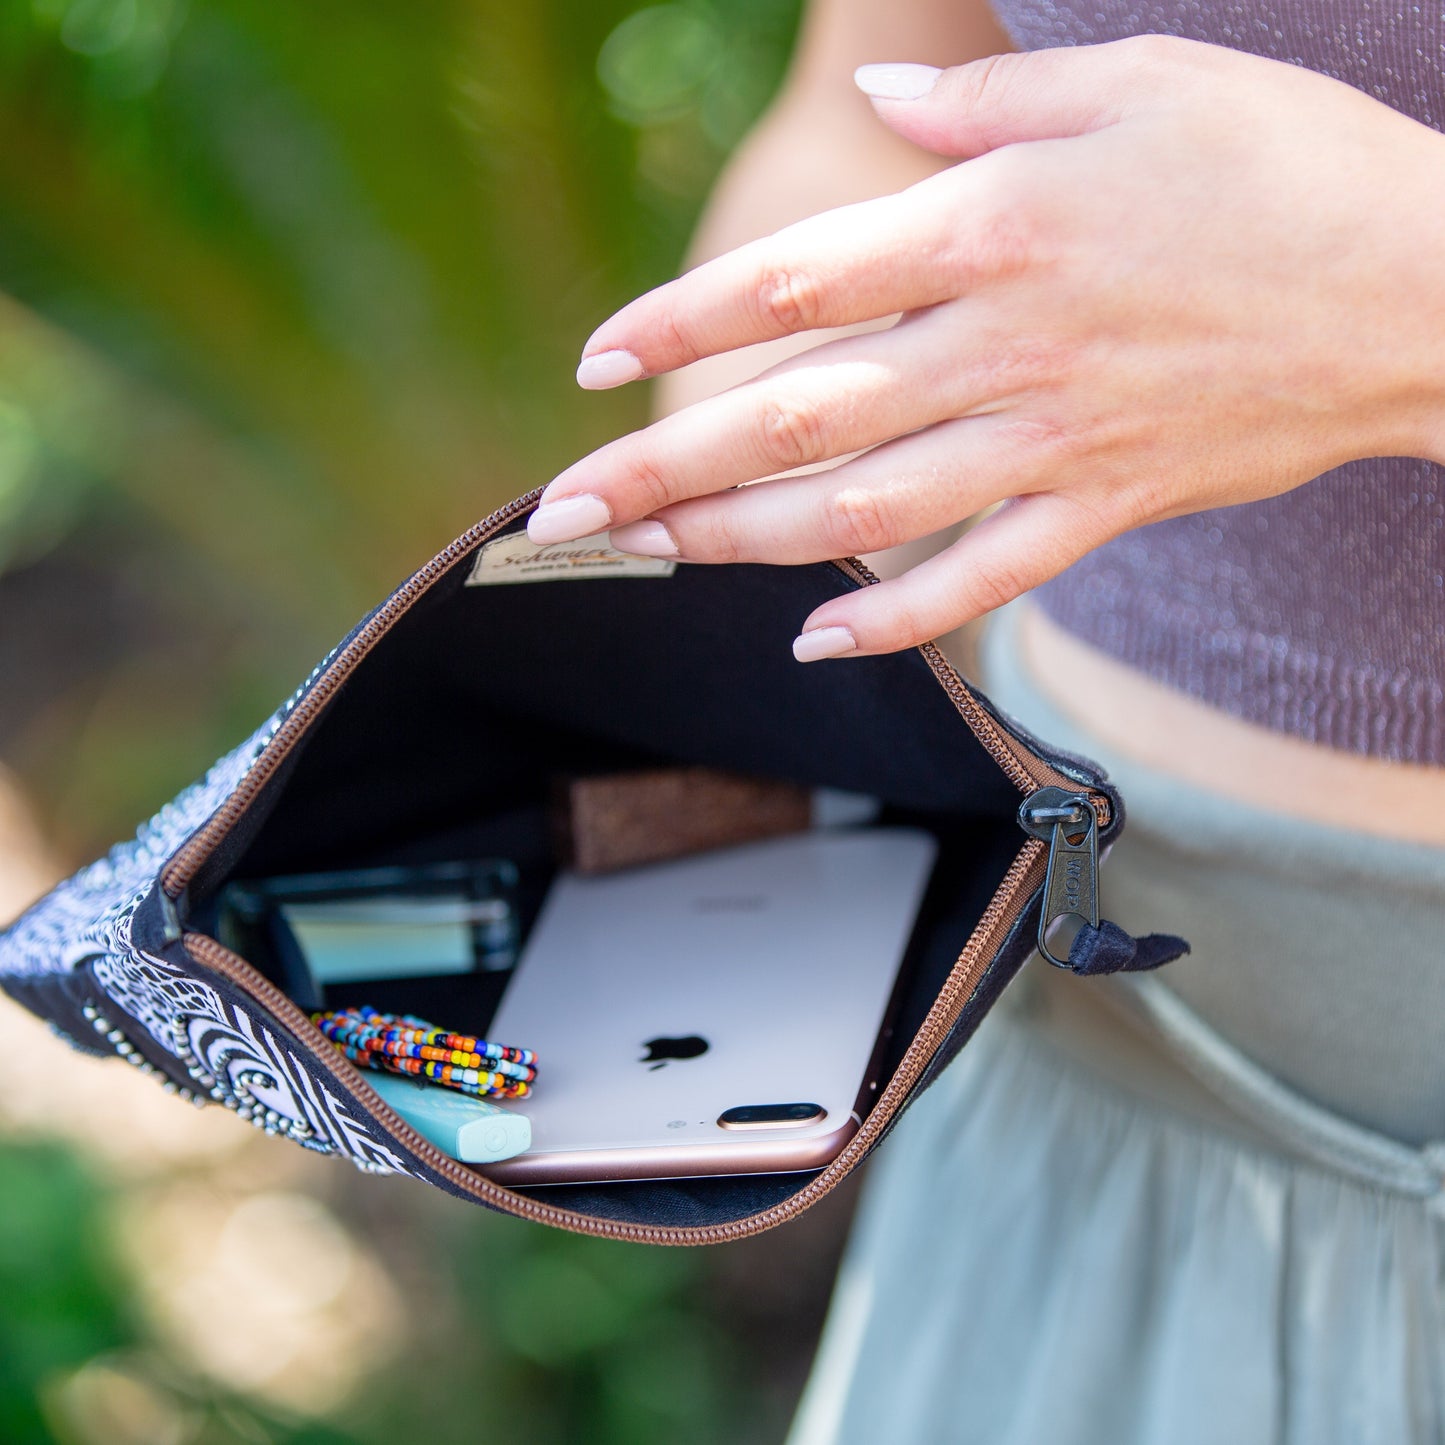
(1067, 823)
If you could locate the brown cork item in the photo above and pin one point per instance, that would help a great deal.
(619, 820)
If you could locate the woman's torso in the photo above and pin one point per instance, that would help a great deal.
(1203, 745)
(1290, 651)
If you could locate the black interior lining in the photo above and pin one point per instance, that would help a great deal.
(479, 693)
(449, 735)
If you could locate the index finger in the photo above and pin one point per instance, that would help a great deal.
(857, 263)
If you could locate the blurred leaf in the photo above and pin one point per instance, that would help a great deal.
(655, 63)
(62, 1302)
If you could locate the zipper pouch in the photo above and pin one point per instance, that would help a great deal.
(437, 730)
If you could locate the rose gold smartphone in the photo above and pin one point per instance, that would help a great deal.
(721, 1014)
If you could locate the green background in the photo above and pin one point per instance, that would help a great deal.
(293, 293)
(290, 294)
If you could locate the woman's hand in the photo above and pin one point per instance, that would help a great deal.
(1165, 277)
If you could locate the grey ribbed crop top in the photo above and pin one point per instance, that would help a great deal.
(1321, 612)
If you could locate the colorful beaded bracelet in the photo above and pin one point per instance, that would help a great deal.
(403, 1044)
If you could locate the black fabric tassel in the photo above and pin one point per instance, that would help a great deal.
(1108, 949)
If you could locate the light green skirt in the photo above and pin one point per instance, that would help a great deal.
(1202, 1206)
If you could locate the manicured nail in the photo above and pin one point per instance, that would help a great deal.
(608, 368)
(896, 82)
(567, 519)
(646, 539)
(820, 642)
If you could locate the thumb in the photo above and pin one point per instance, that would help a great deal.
(1036, 95)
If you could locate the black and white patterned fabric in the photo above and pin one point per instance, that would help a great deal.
(229, 1049)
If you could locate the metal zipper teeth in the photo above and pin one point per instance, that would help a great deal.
(1008, 903)
(1024, 770)
(178, 873)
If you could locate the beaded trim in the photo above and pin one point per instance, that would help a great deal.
(231, 1053)
(122, 1045)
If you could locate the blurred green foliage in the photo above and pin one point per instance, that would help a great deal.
(61, 1307)
(75, 1363)
(586, 1340)
(295, 294)
(548, 1337)
(289, 296)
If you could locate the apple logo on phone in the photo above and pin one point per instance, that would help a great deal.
(660, 1050)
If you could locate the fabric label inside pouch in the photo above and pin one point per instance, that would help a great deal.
(517, 558)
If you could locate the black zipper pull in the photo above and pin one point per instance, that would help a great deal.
(1067, 823)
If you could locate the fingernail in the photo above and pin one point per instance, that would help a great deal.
(567, 519)
(821, 642)
(896, 82)
(646, 539)
(608, 368)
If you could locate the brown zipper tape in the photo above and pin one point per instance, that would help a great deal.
(1026, 771)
